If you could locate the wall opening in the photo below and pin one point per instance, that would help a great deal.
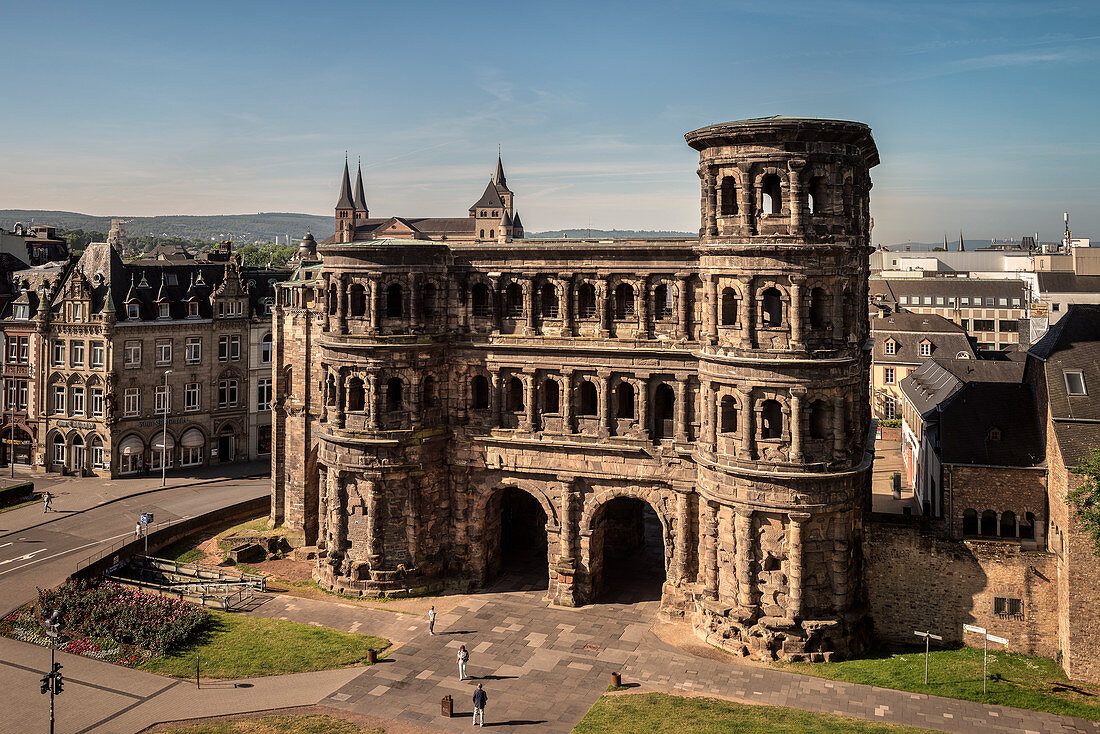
(664, 406)
(395, 298)
(626, 552)
(772, 193)
(772, 311)
(515, 542)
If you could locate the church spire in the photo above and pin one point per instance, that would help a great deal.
(498, 177)
(962, 244)
(345, 201)
(360, 197)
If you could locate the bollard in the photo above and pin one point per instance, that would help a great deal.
(372, 656)
(616, 679)
(448, 707)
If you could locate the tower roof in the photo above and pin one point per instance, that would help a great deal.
(360, 197)
(490, 198)
(345, 201)
(498, 177)
(506, 220)
(516, 222)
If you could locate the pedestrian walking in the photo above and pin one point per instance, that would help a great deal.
(463, 658)
(431, 620)
(47, 501)
(480, 697)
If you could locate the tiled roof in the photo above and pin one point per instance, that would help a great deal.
(490, 198)
(991, 423)
(1068, 283)
(949, 287)
(908, 330)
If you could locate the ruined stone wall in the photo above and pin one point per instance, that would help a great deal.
(919, 580)
(1016, 495)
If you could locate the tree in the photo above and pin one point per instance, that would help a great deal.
(1086, 498)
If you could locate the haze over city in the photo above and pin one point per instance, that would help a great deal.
(983, 111)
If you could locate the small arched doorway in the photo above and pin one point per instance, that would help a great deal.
(227, 445)
(626, 553)
(76, 455)
(515, 542)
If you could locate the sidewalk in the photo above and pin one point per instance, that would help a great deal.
(73, 495)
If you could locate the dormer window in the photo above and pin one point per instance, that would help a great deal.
(162, 311)
(192, 310)
(1075, 382)
(133, 311)
(22, 311)
(926, 348)
(77, 312)
(994, 434)
(890, 346)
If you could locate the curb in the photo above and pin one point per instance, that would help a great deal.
(111, 501)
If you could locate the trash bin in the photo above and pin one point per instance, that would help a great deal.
(448, 707)
(372, 656)
(616, 679)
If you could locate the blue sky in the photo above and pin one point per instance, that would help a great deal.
(985, 113)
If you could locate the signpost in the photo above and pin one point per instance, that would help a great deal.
(985, 654)
(145, 519)
(928, 636)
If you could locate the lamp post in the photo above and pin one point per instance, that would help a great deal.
(52, 681)
(164, 434)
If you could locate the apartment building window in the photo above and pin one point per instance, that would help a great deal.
(964, 301)
(227, 393)
(11, 394)
(99, 456)
(76, 404)
(133, 311)
(22, 311)
(889, 408)
(265, 349)
(13, 350)
(1008, 326)
(22, 395)
(926, 349)
(192, 310)
(164, 351)
(890, 347)
(1056, 306)
(1016, 303)
(133, 355)
(97, 402)
(77, 312)
(263, 440)
(939, 300)
(192, 396)
(1075, 382)
(162, 399)
(58, 449)
(983, 325)
(990, 301)
(903, 300)
(225, 348)
(131, 401)
(98, 355)
(76, 354)
(193, 354)
(1002, 301)
(928, 300)
(59, 399)
(888, 375)
(59, 354)
(263, 394)
(162, 311)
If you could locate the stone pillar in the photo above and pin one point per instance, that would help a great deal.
(685, 306)
(710, 562)
(567, 402)
(794, 562)
(529, 402)
(712, 201)
(796, 311)
(497, 399)
(529, 306)
(839, 437)
(839, 333)
(414, 302)
(465, 307)
(602, 303)
(710, 316)
(342, 304)
(341, 396)
(372, 305)
(565, 303)
(683, 537)
(463, 404)
(416, 400)
(839, 562)
(328, 305)
(794, 194)
(742, 533)
(641, 390)
(567, 537)
(376, 524)
(746, 314)
(710, 419)
(745, 214)
(604, 407)
(372, 402)
(641, 299)
(796, 423)
(680, 427)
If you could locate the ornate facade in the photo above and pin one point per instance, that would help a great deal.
(436, 395)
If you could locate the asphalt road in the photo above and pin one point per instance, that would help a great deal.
(43, 556)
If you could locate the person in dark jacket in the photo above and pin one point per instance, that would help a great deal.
(480, 698)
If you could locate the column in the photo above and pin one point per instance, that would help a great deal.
(498, 304)
(496, 398)
(642, 308)
(340, 398)
(683, 537)
(641, 390)
(747, 422)
(794, 562)
(710, 316)
(680, 428)
(745, 213)
(602, 304)
(372, 402)
(414, 302)
(376, 542)
(415, 399)
(710, 564)
(685, 306)
(742, 533)
(794, 194)
(746, 313)
(341, 304)
(463, 402)
(565, 303)
(839, 437)
(328, 306)
(839, 327)
(529, 402)
(605, 404)
(372, 305)
(567, 528)
(529, 306)
(796, 423)
(567, 402)
(710, 418)
(464, 307)
(712, 201)
(796, 310)
(839, 564)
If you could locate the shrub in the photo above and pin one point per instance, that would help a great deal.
(890, 422)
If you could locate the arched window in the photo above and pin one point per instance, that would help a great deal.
(729, 414)
(771, 415)
(548, 301)
(480, 389)
(492, 233)
(1027, 526)
(394, 397)
(58, 449)
(772, 312)
(819, 419)
(662, 302)
(395, 301)
(589, 399)
(664, 406)
(772, 191)
(358, 297)
(586, 301)
(970, 522)
(427, 300)
(989, 523)
(729, 307)
(1008, 524)
(515, 395)
(356, 397)
(624, 301)
(816, 194)
(818, 315)
(332, 302)
(624, 400)
(729, 197)
(550, 396)
(481, 234)
(482, 304)
(265, 349)
(427, 392)
(513, 301)
(330, 390)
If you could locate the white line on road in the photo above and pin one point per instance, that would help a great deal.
(26, 557)
(5, 545)
(62, 553)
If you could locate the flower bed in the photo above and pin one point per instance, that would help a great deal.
(108, 621)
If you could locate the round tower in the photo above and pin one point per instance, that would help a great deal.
(783, 467)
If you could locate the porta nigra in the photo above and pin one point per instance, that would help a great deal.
(454, 401)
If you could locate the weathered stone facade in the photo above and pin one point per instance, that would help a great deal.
(432, 396)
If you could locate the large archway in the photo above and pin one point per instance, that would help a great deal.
(516, 545)
(626, 552)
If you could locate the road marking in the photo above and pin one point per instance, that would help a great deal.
(27, 557)
(62, 553)
(5, 545)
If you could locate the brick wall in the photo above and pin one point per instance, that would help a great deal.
(1001, 489)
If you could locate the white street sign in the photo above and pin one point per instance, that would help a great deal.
(999, 640)
(972, 628)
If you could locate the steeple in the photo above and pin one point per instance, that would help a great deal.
(345, 201)
(361, 211)
(498, 177)
(962, 245)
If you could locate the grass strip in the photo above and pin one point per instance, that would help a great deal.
(274, 724)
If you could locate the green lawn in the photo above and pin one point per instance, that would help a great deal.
(304, 724)
(1015, 680)
(241, 646)
(645, 713)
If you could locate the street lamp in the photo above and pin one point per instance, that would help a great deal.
(53, 681)
(164, 434)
